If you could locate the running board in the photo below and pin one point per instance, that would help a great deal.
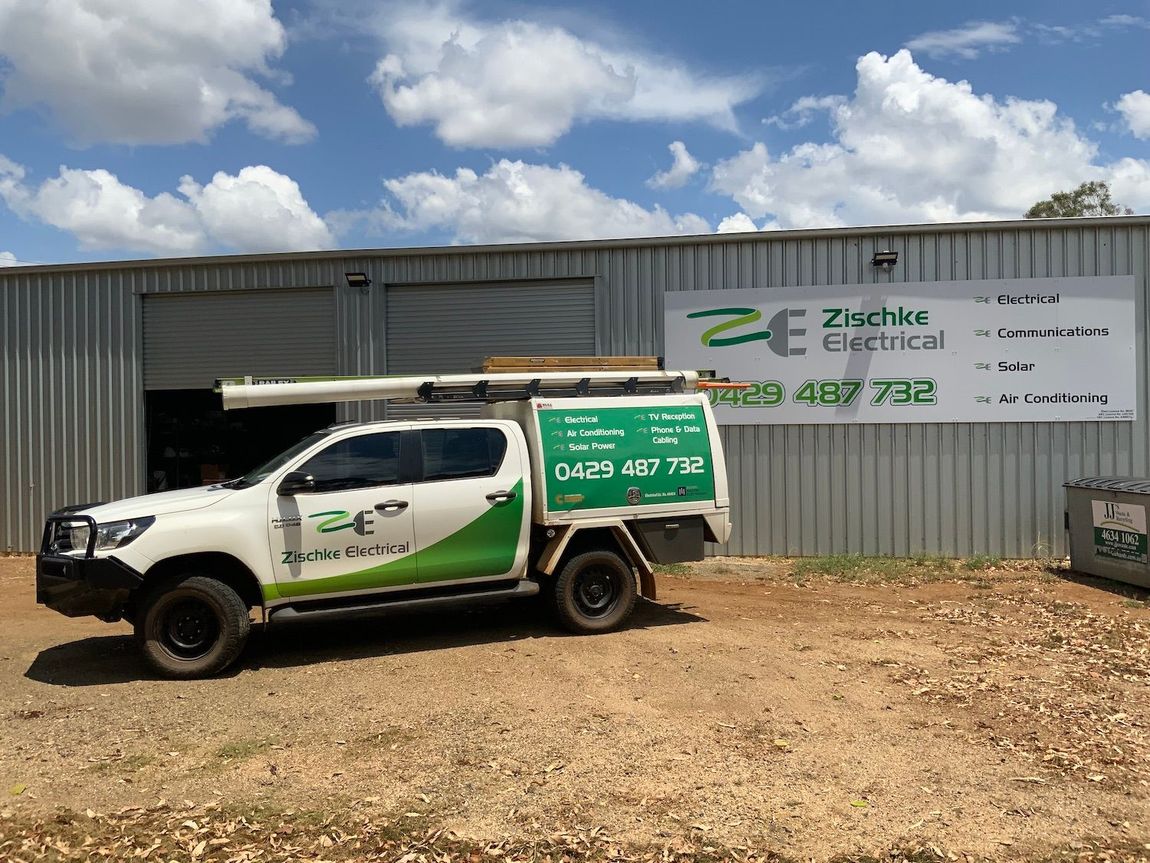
(288, 613)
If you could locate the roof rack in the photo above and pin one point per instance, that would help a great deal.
(481, 387)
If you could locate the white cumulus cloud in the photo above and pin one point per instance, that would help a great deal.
(1130, 180)
(683, 167)
(146, 71)
(737, 223)
(518, 202)
(967, 41)
(7, 259)
(257, 210)
(912, 147)
(522, 83)
(1135, 110)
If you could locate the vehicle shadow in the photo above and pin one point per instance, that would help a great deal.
(112, 659)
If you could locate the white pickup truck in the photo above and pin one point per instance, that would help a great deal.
(571, 484)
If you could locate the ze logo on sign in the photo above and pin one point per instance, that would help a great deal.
(778, 335)
(361, 524)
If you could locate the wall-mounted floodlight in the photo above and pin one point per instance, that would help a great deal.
(885, 259)
(357, 280)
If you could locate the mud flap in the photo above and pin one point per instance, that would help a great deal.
(631, 549)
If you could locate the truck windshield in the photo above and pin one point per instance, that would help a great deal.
(268, 468)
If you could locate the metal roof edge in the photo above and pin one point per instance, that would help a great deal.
(562, 245)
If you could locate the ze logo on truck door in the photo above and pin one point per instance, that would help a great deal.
(361, 524)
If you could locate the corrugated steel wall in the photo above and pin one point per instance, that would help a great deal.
(71, 391)
(877, 489)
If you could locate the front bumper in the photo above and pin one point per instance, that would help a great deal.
(84, 586)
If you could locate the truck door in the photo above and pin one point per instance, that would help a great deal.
(355, 532)
(471, 516)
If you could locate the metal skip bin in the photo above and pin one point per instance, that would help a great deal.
(1106, 518)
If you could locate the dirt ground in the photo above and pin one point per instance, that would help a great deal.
(1000, 715)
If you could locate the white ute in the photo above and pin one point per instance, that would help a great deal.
(571, 483)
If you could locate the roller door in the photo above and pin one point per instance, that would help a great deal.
(192, 339)
(452, 328)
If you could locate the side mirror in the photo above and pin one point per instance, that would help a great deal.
(295, 482)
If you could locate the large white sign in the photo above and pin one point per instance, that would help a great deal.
(1003, 350)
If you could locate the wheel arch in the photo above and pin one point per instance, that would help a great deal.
(219, 565)
(614, 536)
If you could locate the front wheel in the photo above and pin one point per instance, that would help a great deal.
(595, 592)
(193, 628)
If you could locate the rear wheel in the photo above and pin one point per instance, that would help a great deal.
(595, 592)
(193, 627)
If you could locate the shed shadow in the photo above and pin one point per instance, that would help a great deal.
(1118, 588)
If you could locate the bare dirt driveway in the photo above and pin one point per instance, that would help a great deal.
(748, 714)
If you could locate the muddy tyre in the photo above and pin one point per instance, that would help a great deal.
(193, 627)
(595, 592)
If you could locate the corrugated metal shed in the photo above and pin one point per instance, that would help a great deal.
(71, 379)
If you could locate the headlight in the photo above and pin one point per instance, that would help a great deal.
(71, 537)
(117, 534)
(68, 537)
(77, 537)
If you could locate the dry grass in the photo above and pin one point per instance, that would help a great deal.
(219, 833)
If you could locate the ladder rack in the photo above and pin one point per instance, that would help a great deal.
(484, 391)
(455, 389)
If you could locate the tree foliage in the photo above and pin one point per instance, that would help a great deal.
(1089, 199)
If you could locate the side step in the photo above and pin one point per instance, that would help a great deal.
(290, 613)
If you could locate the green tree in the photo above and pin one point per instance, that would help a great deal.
(1089, 199)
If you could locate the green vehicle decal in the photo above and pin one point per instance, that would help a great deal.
(485, 546)
(599, 458)
(336, 515)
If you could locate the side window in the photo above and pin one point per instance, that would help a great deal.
(358, 462)
(458, 453)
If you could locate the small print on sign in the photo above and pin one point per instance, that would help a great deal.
(604, 457)
(1119, 530)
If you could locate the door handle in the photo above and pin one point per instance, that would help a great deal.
(501, 496)
(391, 506)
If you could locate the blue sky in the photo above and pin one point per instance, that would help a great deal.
(139, 128)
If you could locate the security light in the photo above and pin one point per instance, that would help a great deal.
(358, 280)
(885, 258)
